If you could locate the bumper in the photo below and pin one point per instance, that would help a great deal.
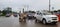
(15, 15)
(31, 17)
(8, 16)
(52, 21)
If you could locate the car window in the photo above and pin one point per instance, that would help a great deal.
(38, 13)
(46, 13)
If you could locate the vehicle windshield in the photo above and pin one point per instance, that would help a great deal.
(47, 13)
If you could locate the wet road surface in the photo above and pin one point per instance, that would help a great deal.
(14, 22)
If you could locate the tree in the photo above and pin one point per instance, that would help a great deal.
(0, 11)
(7, 10)
(4, 12)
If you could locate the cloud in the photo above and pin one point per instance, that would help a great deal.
(30, 4)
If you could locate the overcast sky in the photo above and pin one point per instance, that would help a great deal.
(29, 4)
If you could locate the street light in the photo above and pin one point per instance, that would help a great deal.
(49, 5)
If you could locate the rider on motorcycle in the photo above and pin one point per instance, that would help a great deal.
(22, 17)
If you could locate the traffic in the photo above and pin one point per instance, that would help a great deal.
(44, 17)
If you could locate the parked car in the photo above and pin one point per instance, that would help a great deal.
(8, 15)
(46, 17)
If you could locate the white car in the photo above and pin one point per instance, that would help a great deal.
(46, 18)
(8, 15)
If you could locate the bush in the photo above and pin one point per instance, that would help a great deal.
(3, 15)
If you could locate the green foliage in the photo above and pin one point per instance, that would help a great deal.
(7, 10)
(4, 12)
(0, 11)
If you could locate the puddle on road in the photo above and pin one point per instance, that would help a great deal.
(31, 23)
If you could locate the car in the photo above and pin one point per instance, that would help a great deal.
(30, 14)
(46, 17)
(8, 15)
(15, 15)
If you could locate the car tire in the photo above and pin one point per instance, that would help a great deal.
(44, 22)
(36, 20)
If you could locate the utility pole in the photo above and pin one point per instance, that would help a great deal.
(23, 10)
(49, 5)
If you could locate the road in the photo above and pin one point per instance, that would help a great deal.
(14, 22)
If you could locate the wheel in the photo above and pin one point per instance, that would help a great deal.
(36, 20)
(24, 19)
(20, 20)
(44, 21)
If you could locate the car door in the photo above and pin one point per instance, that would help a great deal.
(40, 16)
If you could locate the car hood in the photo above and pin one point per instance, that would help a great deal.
(49, 16)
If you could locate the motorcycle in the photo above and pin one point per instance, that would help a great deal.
(22, 17)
